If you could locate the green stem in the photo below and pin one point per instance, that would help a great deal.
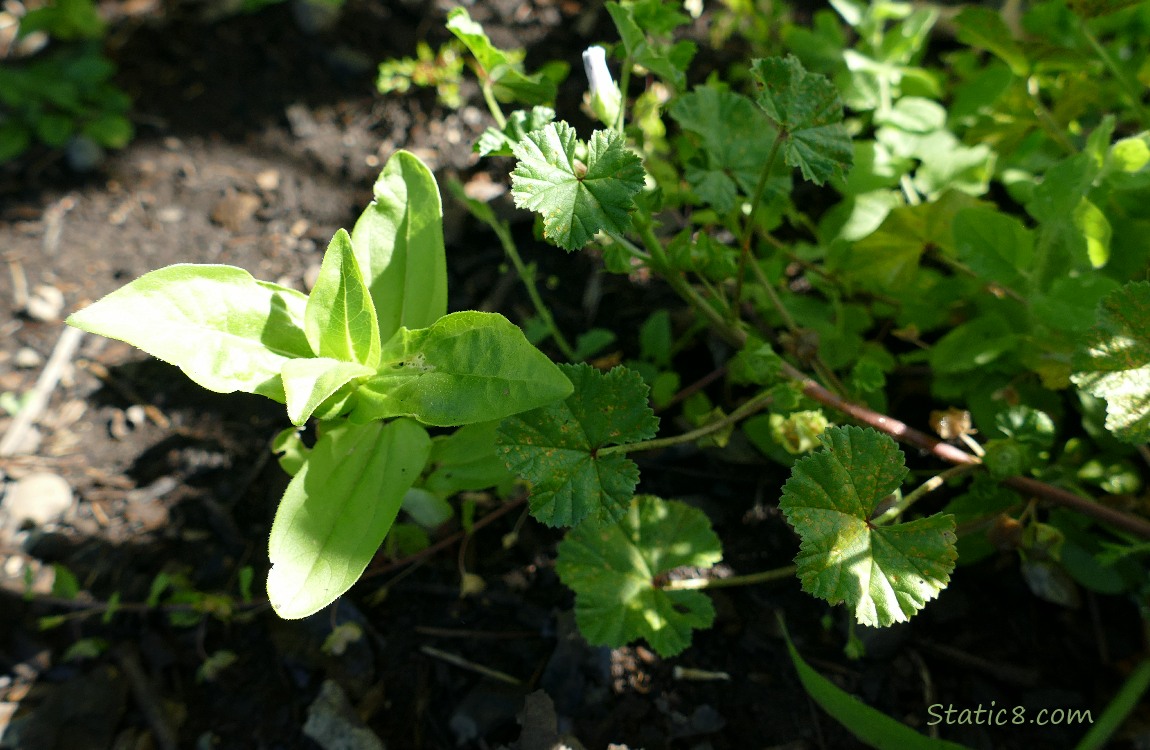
(1046, 120)
(1119, 74)
(749, 226)
(493, 105)
(624, 82)
(528, 278)
(757, 403)
(922, 491)
(763, 576)
(660, 265)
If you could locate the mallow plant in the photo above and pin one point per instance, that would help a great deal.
(1029, 314)
(371, 355)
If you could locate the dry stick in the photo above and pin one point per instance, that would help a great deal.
(462, 663)
(62, 354)
(948, 452)
(145, 694)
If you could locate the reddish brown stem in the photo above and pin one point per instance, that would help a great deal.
(947, 452)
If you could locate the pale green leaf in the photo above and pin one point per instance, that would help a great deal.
(1115, 365)
(884, 574)
(467, 367)
(575, 199)
(807, 107)
(614, 568)
(337, 510)
(310, 382)
(225, 330)
(558, 448)
(340, 319)
(398, 243)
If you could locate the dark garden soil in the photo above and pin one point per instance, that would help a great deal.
(256, 141)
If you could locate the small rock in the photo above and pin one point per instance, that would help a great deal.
(46, 304)
(233, 211)
(83, 154)
(27, 359)
(268, 180)
(41, 497)
(170, 215)
(315, 16)
(136, 415)
(333, 724)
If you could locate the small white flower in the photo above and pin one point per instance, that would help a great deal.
(604, 97)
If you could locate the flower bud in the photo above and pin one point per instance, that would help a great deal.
(603, 95)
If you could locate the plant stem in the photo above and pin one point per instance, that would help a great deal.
(526, 275)
(660, 265)
(1046, 120)
(757, 403)
(764, 576)
(493, 105)
(624, 82)
(1119, 74)
(947, 452)
(922, 491)
(820, 366)
(749, 226)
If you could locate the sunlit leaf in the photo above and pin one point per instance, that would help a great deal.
(1115, 364)
(576, 199)
(557, 447)
(884, 574)
(614, 569)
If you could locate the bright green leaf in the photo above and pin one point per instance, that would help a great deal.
(885, 574)
(398, 243)
(613, 568)
(633, 21)
(310, 382)
(808, 109)
(1116, 362)
(519, 123)
(558, 447)
(337, 510)
(873, 727)
(501, 67)
(467, 367)
(1095, 228)
(340, 319)
(575, 199)
(225, 330)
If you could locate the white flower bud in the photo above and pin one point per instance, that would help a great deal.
(604, 97)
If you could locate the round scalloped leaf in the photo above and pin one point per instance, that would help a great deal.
(612, 567)
(884, 573)
(1116, 363)
(808, 109)
(576, 200)
(556, 447)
